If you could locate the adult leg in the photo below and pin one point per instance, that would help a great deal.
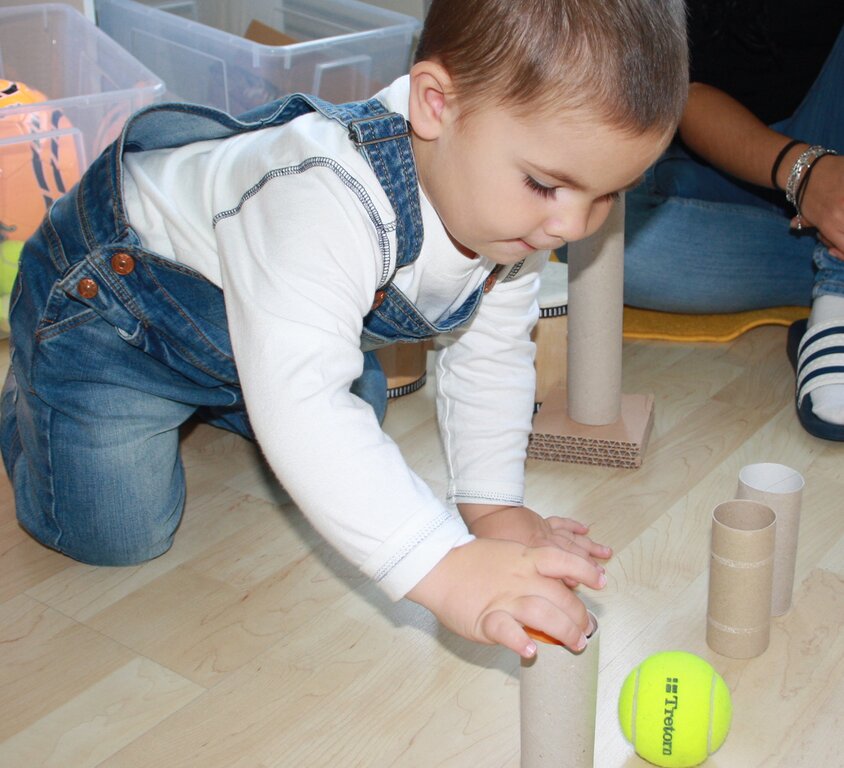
(695, 242)
(820, 120)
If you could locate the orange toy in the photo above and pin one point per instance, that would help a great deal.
(38, 159)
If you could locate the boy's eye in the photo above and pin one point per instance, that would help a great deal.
(540, 189)
(613, 196)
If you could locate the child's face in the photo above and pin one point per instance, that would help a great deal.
(506, 186)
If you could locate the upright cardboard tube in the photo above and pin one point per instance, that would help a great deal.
(781, 488)
(596, 314)
(558, 701)
(738, 621)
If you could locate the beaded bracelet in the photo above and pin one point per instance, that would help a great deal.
(804, 182)
(800, 165)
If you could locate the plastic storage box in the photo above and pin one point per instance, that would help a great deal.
(341, 50)
(80, 87)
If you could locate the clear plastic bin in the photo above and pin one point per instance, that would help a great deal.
(341, 50)
(82, 86)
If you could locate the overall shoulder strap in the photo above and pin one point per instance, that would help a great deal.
(383, 138)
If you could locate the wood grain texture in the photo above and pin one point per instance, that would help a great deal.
(251, 644)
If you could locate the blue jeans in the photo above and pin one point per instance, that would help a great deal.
(698, 241)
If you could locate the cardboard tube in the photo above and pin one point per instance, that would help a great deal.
(551, 329)
(738, 621)
(405, 366)
(558, 700)
(781, 488)
(596, 307)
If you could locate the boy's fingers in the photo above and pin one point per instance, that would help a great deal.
(500, 627)
(575, 532)
(567, 625)
(566, 523)
(559, 564)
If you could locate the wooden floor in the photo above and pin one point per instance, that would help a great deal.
(251, 644)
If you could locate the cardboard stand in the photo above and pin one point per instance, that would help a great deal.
(556, 437)
(600, 424)
(738, 620)
(558, 697)
(781, 488)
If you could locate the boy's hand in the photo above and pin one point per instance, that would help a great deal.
(527, 527)
(488, 590)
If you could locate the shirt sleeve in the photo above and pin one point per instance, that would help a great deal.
(301, 261)
(486, 386)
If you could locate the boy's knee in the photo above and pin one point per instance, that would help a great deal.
(97, 534)
(133, 547)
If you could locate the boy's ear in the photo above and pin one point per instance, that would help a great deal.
(432, 99)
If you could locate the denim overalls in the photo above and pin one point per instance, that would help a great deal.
(115, 347)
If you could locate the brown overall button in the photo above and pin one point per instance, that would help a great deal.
(379, 300)
(122, 263)
(87, 288)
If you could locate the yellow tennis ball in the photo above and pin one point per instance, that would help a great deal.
(675, 709)
(10, 251)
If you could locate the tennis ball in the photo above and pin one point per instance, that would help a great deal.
(10, 251)
(675, 709)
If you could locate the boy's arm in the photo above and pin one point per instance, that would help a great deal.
(300, 269)
(485, 392)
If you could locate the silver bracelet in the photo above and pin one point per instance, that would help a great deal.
(799, 168)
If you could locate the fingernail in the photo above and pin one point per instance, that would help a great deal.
(602, 581)
(581, 644)
(530, 650)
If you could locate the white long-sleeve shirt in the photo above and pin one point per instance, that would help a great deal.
(282, 220)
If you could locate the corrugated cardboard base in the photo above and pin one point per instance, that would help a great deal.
(556, 437)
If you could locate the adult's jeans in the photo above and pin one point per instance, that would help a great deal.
(697, 240)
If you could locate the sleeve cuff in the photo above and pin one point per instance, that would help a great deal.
(413, 554)
(485, 492)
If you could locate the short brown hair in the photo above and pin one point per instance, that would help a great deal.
(627, 60)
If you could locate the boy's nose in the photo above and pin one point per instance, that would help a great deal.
(576, 222)
(569, 225)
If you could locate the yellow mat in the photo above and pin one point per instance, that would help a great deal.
(668, 326)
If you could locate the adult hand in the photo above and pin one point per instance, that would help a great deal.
(823, 203)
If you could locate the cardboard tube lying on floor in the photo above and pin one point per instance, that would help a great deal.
(781, 488)
(738, 621)
(558, 701)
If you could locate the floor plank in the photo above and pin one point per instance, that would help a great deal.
(251, 644)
